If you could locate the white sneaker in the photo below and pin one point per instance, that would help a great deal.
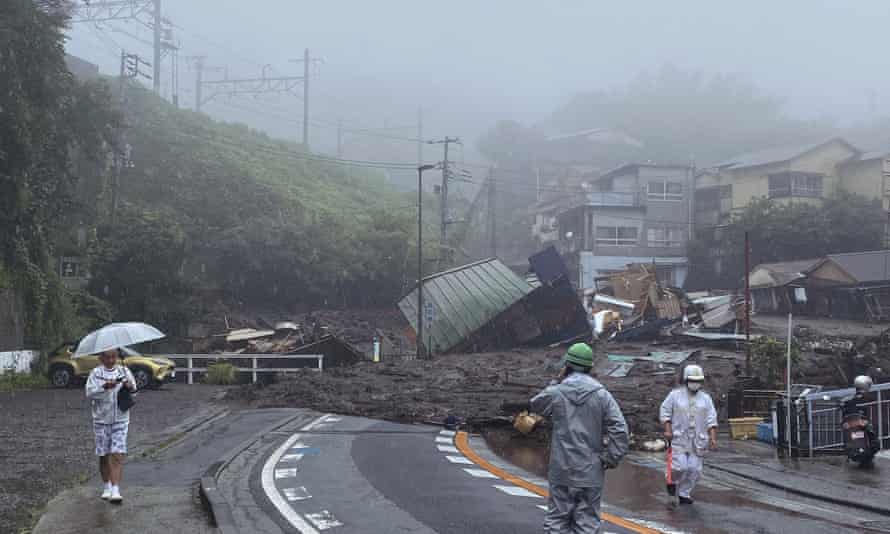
(106, 493)
(115, 496)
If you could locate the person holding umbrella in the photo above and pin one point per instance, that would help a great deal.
(110, 422)
(109, 389)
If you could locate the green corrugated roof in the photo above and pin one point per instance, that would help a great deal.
(464, 300)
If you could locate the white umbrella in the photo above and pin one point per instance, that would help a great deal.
(115, 336)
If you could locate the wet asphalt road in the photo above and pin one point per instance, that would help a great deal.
(367, 476)
(357, 475)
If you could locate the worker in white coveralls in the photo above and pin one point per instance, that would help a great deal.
(690, 424)
(589, 436)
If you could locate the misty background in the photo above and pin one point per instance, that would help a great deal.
(470, 64)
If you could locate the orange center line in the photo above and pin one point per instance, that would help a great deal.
(462, 442)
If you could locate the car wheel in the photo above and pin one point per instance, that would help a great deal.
(142, 377)
(61, 376)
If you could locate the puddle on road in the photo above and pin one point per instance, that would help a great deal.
(639, 487)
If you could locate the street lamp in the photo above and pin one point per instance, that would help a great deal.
(420, 170)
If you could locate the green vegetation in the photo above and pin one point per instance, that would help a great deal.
(220, 374)
(22, 381)
(206, 210)
(769, 357)
(52, 130)
(782, 232)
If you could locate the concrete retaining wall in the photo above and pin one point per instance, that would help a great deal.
(17, 361)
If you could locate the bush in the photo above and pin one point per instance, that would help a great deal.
(769, 357)
(21, 381)
(220, 374)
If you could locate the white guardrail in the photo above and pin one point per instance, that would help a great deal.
(254, 369)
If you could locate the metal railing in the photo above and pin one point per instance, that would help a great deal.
(818, 417)
(254, 359)
(613, 198)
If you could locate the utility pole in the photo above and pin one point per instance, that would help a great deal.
(199, 81)
(419, 329)
(157, 45)
(145, 12)
(420, 135)
(748, 369)
(492, 214)
(130, 67)
(340, 139)
(306, 99)
(443, 194)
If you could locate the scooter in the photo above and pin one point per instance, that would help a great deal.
(858, 438)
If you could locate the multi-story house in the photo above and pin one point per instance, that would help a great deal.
(806, 173)
(636, 213)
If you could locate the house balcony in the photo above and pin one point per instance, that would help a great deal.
(620, 199)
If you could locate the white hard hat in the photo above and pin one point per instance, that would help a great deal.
(862, 383)
(694, 373)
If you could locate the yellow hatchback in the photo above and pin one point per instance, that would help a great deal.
(149, 371)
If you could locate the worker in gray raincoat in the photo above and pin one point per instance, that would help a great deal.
(589, 436)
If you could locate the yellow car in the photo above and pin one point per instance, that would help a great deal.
(149, 371)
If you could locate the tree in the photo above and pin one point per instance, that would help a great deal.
(47, 122)
(683, 116)
(845, 222)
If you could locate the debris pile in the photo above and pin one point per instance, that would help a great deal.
(632, 305)
(482, 389)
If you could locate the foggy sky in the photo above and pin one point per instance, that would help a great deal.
(472, 62)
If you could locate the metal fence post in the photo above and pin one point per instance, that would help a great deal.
(321, 362)
(880, 423)
(191, 366)
(253, 373)
(810, 424)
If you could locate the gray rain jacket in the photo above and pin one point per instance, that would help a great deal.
(589, 431)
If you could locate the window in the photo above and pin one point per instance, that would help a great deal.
(795, 184)
(665, 236)
(707, 199)
(664, 190)
(616, 235)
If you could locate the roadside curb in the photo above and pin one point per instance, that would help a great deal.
(462, 442)
(219, 507)
(882, 510)
(180, 432)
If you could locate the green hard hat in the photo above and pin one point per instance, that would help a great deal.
(580, 354)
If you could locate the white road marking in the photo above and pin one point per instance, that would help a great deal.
(299, 445)
(459, 460)
(332, 419)
(542, 506)
(516, 491)
(268, 482)
(443, 439)
(296, 494)
(292, 457)
(289, 472)
(323, 520)
(480, 473)
(449, 433)
(448, 448)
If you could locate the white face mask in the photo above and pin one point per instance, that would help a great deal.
(693, 386)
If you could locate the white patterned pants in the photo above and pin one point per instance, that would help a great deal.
(111, 439)
(686, 472)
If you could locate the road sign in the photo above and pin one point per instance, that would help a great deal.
(429, 312)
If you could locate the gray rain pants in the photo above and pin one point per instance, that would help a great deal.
(573, 510)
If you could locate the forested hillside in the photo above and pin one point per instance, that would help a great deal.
(207, 212)
(222, 210)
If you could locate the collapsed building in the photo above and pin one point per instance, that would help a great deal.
(486, 306)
